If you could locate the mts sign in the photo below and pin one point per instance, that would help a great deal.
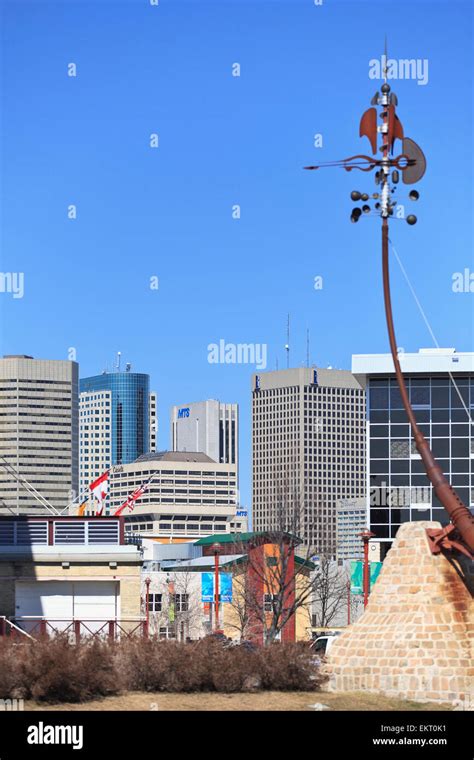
(183, 412)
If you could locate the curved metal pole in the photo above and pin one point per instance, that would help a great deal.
(459, 515)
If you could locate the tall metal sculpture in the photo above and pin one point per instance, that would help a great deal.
(411, 164)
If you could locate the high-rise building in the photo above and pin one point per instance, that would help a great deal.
(207, 426)
(38, 433)
(441, 390)
(308, 444)
(189, 495)
(351, 516)
(153, 422)
(117, 421)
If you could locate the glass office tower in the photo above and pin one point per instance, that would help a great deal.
(398, 489)
(127, 395)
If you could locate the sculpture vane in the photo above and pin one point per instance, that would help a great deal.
(411, 165)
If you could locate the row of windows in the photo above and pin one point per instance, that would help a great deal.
(180, 602)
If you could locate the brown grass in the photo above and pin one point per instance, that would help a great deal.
(267, 701)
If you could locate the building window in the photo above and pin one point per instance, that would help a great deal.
(155, 602)
(181, 602)
(268, 601)
(400, 449)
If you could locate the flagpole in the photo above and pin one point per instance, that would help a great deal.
(78, 498)
(28, 487)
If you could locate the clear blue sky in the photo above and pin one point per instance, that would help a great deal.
(223, 140)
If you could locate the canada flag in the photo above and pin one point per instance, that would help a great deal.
(99, 489)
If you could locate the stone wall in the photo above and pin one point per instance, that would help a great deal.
(416, 637)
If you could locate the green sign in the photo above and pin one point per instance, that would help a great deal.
(357, 575)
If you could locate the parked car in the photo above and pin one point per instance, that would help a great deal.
(321, 646)
(249, 646)
(220, 638)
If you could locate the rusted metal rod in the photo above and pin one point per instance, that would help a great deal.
(458, 513)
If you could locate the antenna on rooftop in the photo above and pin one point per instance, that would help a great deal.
(287, 346)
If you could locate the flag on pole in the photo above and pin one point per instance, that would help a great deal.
(99, 489)
(130, 503)
(82, 509)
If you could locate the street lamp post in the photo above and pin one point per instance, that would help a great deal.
(216, 549)
(366, 535)
(147, 606)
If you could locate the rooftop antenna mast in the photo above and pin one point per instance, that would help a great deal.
(411, 164)
(307, 346)
(287, 345)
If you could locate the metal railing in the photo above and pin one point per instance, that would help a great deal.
(76, 630)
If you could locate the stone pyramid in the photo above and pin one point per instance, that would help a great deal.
(415, 639)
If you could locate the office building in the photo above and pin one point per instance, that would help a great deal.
(207, 426)
(441, 390)
(308, 444)
(117, 422)
(351, 518)
(189, 495)
(153, 422)
(38, 434)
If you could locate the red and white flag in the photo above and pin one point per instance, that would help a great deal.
(99, 490)
(130, 503)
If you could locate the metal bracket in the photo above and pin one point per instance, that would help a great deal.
(446, 539)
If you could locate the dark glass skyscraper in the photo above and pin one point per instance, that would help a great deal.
(440, 384)
(128, 395)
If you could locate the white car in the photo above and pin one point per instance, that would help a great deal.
(322, 645)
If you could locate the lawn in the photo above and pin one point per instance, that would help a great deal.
(269, 701)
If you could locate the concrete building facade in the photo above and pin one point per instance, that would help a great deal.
(308, 447)
(207, 426)
(189, 496)
(153, 422)
(441, 389)
(38, 433)
(351, 517)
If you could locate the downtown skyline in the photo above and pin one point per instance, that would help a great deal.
(167, 212)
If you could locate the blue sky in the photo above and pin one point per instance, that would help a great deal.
(223, 140)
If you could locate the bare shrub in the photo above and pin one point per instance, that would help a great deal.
(10, 676)
(54, 670)
(289, 667)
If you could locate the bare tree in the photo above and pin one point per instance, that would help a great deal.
(239, 615)
(331, 592)
(180, 611)
(187, 605)
(277, 584)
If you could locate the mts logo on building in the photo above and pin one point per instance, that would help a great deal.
(184, 412)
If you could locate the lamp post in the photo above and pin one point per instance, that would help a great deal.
(147, 606)
(216, 548)
(366, 535)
